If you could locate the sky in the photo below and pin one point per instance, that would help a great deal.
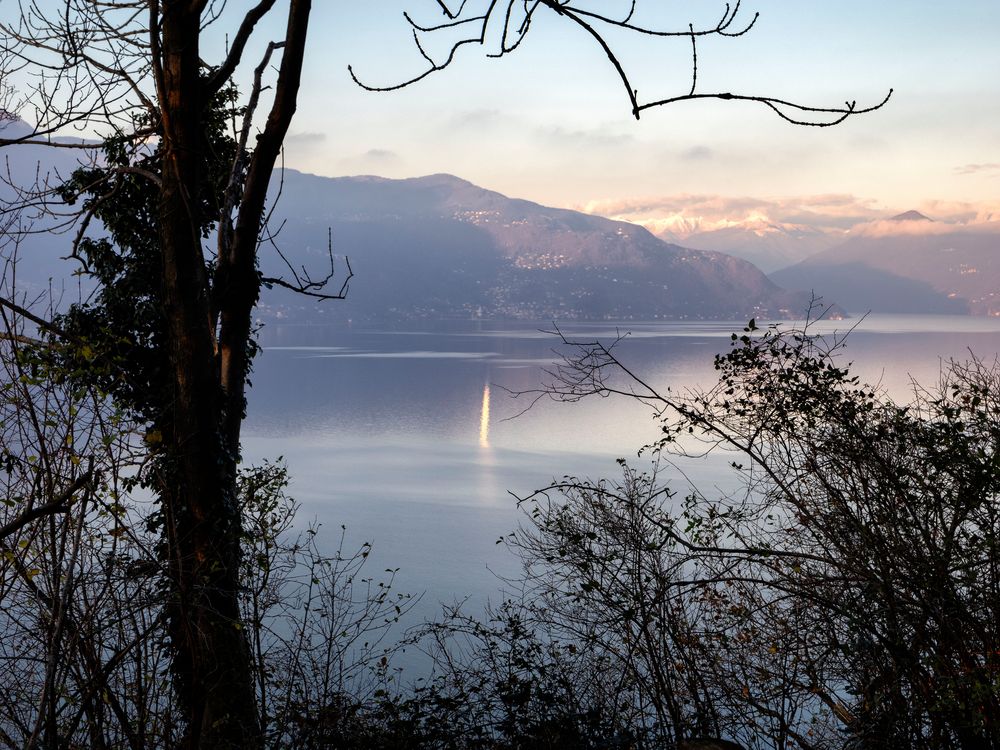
(552, 123)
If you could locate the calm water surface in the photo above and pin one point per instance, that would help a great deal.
(409, 438)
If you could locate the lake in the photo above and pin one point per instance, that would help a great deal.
(409, 438)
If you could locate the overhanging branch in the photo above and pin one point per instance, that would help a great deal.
(508, 22)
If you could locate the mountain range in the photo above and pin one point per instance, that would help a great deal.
(439, 246)
(907, 264)
(770, 245)
(36, 238)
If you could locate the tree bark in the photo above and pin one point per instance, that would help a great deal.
(237, 282)
(211, 659)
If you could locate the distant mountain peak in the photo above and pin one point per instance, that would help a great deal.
(12, 126)
(910, 216)
(439, 246)
(441, 179)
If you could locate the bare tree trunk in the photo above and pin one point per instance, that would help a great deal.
(211, 660)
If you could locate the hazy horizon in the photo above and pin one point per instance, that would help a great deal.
(550, 122)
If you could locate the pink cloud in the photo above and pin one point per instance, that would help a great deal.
(887, 228)
(685, 214)
(987, 167)
(962, 212)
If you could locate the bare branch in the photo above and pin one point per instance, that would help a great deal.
(222, 75)
(59, 504)
(473, 29)
(303, 283)
(43, 324)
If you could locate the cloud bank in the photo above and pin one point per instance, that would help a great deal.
(679, 216)
(685, 214)
(890, 228)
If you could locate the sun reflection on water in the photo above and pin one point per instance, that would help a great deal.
(484, 419)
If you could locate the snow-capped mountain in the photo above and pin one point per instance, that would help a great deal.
(910, 264)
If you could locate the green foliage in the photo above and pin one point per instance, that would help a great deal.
(122, 326)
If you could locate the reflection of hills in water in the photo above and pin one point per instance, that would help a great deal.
(441, 247)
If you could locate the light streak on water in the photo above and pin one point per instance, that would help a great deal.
(484, 419)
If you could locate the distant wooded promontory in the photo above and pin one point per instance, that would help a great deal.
(439, 246)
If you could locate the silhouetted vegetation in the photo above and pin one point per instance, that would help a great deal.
(843, 594)
(154, 592)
